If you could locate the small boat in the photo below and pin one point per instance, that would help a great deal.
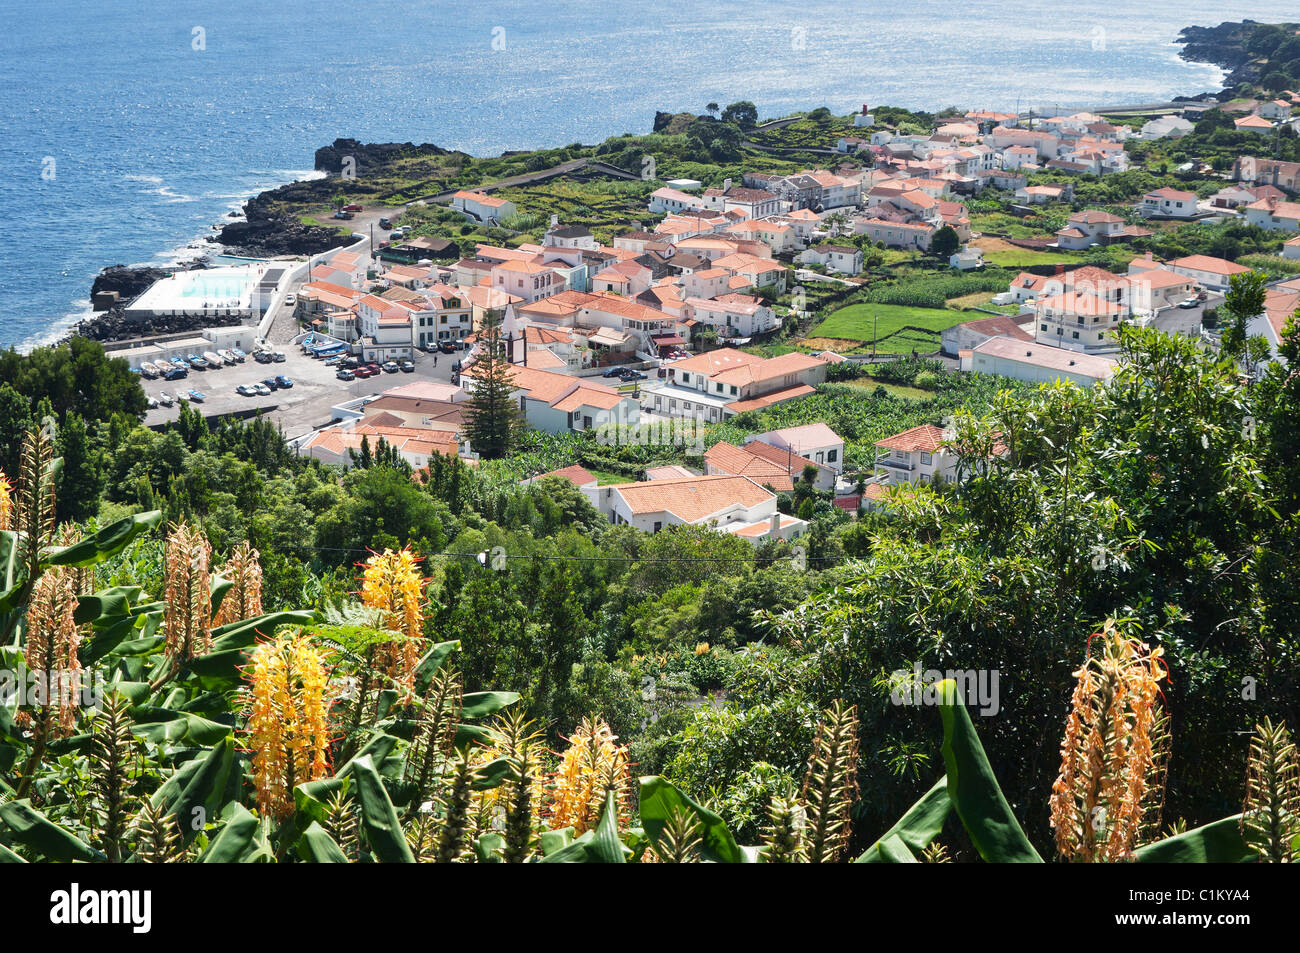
(148, 371)
(165, 398)
(213, 358)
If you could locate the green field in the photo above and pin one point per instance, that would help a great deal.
(892, 323)
(1024, 257)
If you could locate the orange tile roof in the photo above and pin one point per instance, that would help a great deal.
(926, 438)
(767, 400)
(691, 499)
(741, 461)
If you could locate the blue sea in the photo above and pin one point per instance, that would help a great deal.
(128, 128)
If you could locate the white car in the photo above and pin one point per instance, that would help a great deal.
(262, 390)
(290, 300)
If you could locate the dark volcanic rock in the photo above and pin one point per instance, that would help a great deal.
(369, 157)
(268, 232)
(127, 282)
(1224, 46)
(115, 325)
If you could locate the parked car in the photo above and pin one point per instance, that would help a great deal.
(613, 372)
(447, 347)
(261, 390)
(352, 208)
(342, 214)
(345, 375)
(390, 367)
(407, 367)
(385, 224)
(176, 374)
(271, 383)
(197, 396)
(631, 375)
(363, 372)
(1188, 303)
(263, 357)
(278, 357)
(244, 390)
(282, 381)
(290, 300)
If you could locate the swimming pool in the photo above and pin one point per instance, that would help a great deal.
(210, 289)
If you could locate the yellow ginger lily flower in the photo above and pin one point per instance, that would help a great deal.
(288, 727)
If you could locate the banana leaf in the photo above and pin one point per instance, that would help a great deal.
(599, 846)
(109, 541)
(317, 847)
(236, 841)
(198, 789)
(973, 788)
(915, 829)
(31, 828)
(378, 816)
(659, 800)
(1219, 842)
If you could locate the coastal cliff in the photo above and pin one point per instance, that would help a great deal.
(1230, 47)
(270, 230)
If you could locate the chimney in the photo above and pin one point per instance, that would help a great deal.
(776, 524)
(1149, 257)
(726, 185)
(864, 109)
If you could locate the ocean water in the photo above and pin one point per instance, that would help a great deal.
(127, 129)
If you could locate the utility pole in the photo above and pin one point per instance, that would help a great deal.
(875, 323)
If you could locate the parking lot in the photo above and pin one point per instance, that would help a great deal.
(298, 409)
(1186, 320)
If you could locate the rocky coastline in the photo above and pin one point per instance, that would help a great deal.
(1223, 46)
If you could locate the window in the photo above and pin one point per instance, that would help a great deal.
(831, 455)
(925, 459)
(1075, 335)
(1042, 327)
(658, 526)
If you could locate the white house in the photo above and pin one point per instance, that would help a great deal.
(727, 503)
(1037, 363)
(915, 456)
(1274, 214)
(1089, 227)
(816, 443)
(673, 200)
(734, 315)
(1274, 109)
(1213, 273)
(1168, 203)
(1279, 306)
(482, 207)
(844, 259)
(560, 403)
